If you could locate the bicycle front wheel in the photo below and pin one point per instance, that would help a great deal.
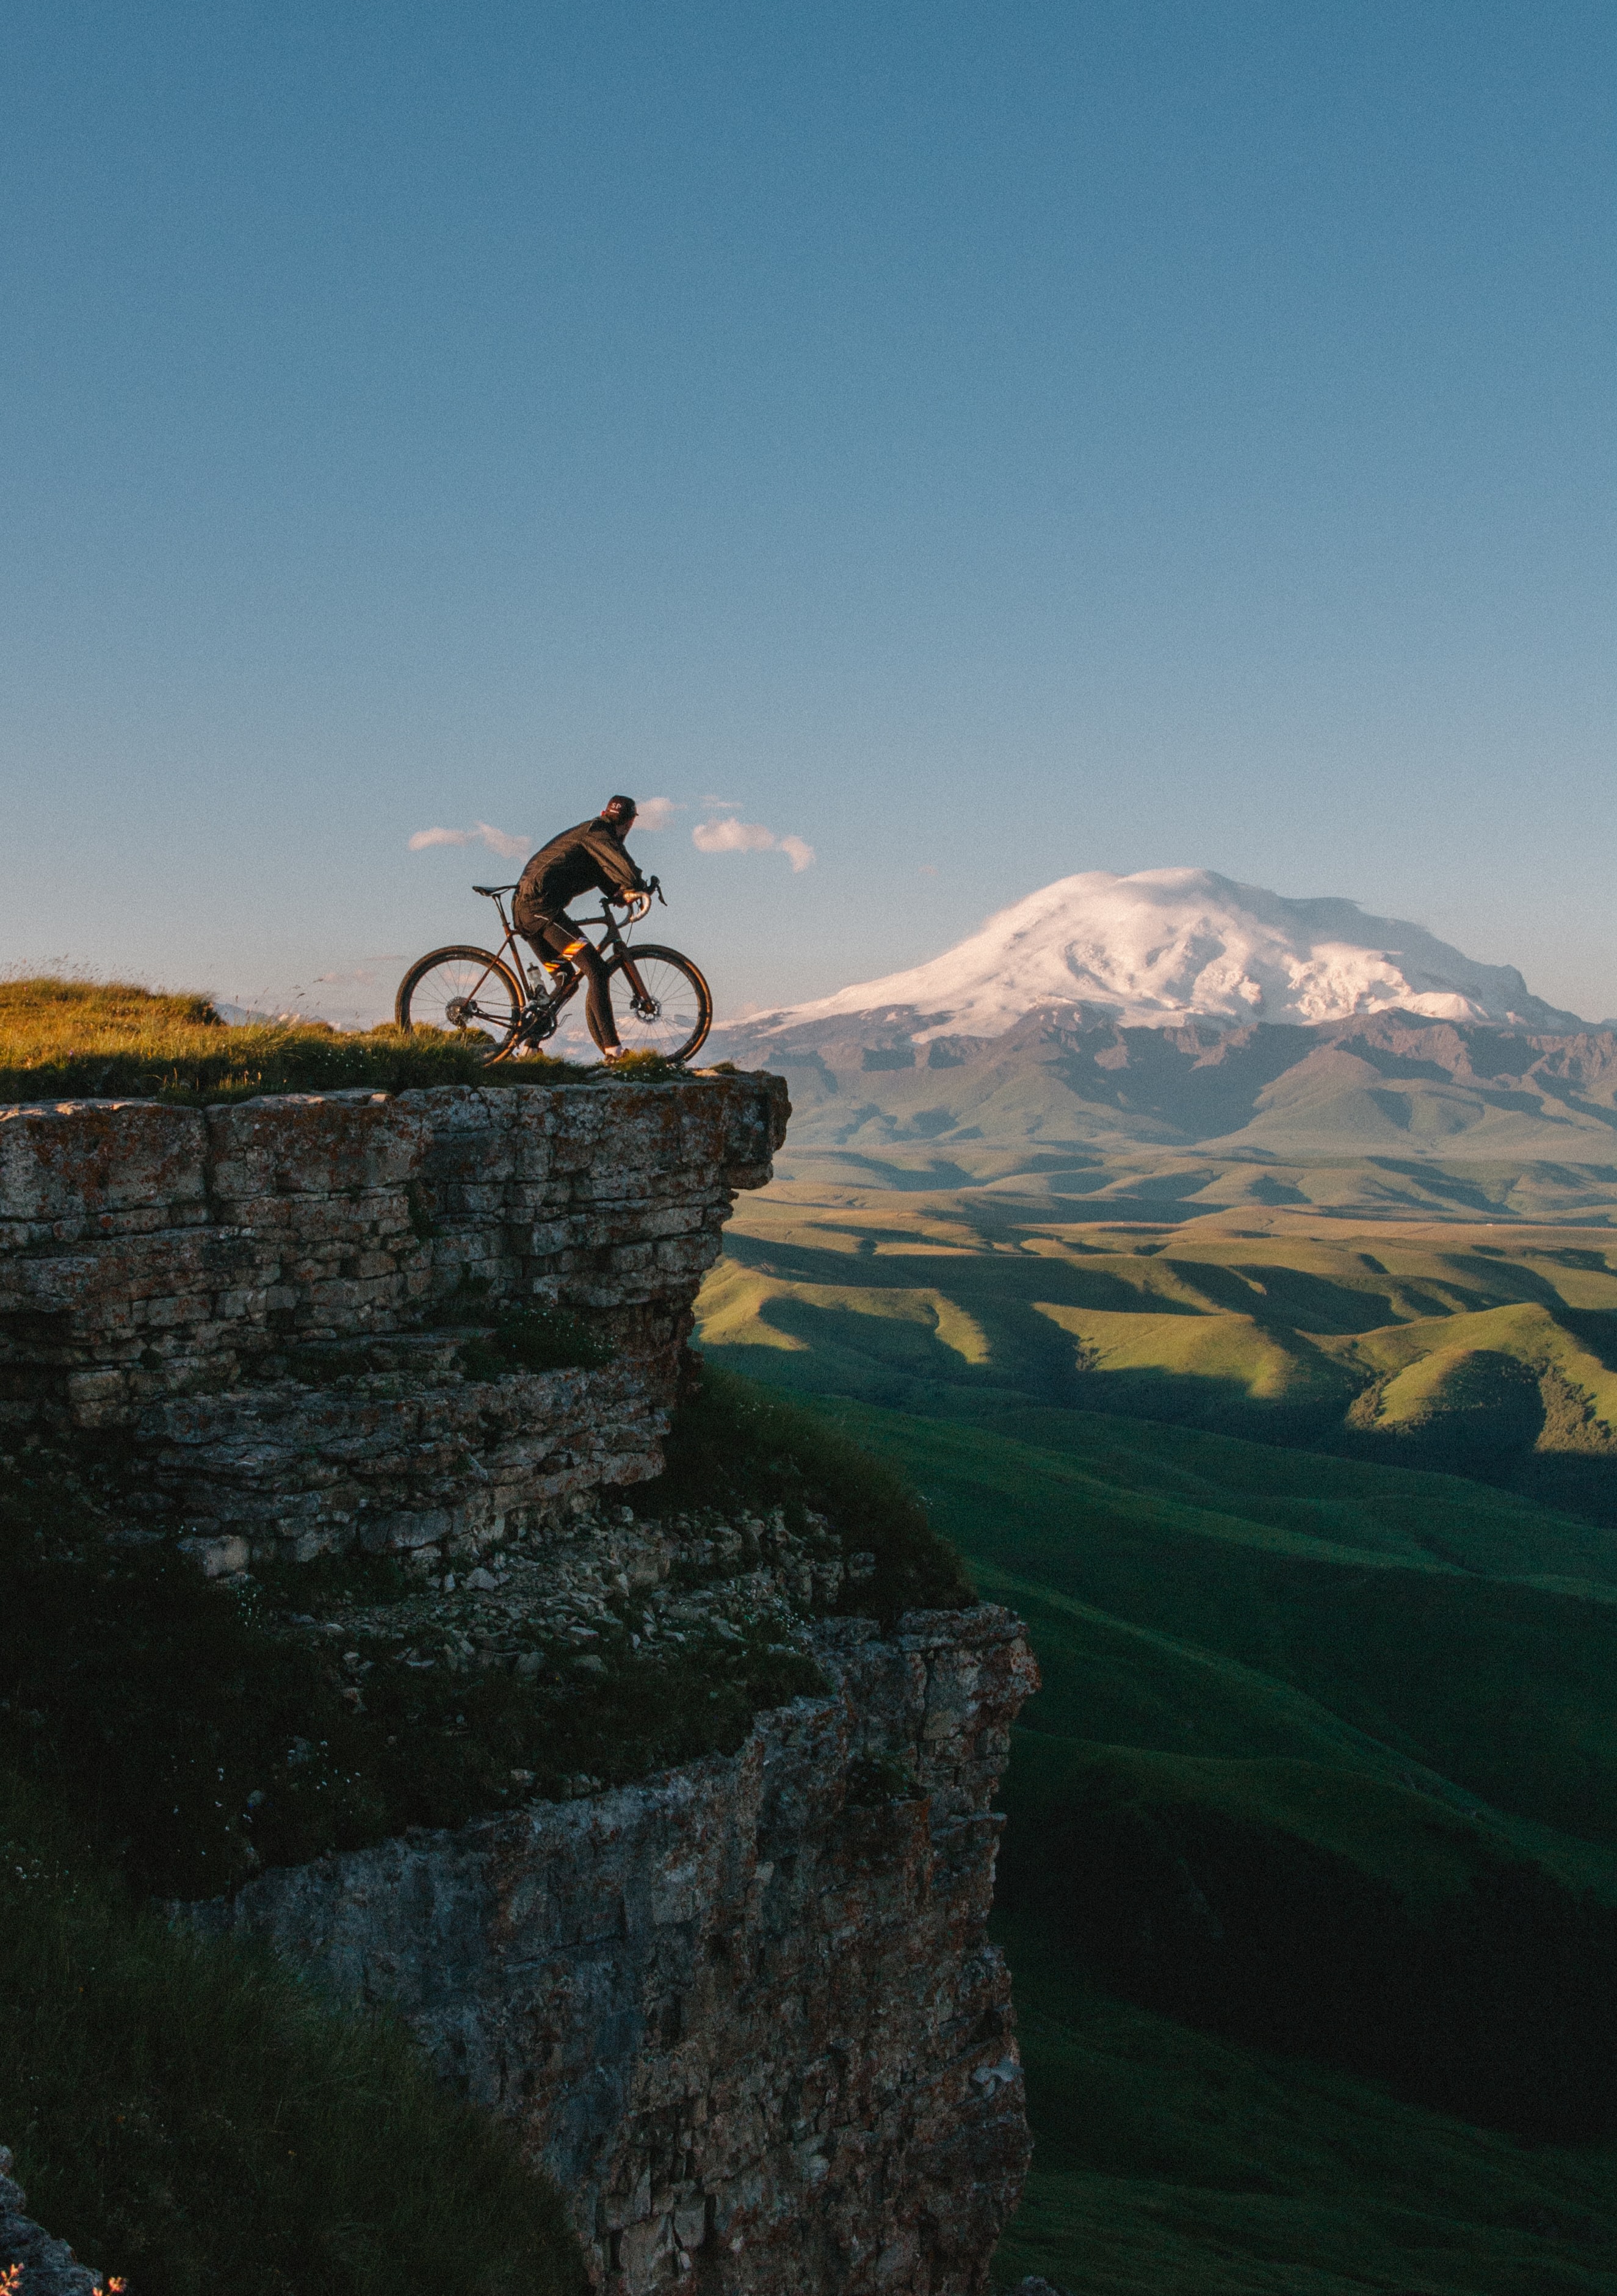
(659, 1002)
(465, 993)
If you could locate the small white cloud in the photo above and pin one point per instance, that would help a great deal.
(732, 836)
(501, 841)
(928, 869)
(657, 813)
(497, 841)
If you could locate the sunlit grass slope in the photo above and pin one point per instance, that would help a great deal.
(1326, 1761)
(1129, 1181)
(1487, 1351)
(71, 1039)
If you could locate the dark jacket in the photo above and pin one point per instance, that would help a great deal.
(589, 858)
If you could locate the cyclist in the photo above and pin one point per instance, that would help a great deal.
(589, 858)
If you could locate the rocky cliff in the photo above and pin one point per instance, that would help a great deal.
(268, 1302)
(745, 2011)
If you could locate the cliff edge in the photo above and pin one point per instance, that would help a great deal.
(377, 1364)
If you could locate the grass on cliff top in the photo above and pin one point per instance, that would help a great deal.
(81, 1040)
(188, 2115)
(737, 1445)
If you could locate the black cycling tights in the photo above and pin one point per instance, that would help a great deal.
(550, 936)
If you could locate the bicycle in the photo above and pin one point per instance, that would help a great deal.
(660, 1001)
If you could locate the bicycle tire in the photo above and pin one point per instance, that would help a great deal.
(680, 1034)
(423, 1004)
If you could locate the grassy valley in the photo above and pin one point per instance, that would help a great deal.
(1488, 1348)
(1311, 1880)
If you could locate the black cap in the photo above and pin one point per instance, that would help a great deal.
(620, 805)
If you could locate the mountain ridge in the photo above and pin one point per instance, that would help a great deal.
(1165, 946)
(1394, 1082)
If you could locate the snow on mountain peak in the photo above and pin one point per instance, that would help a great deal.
(1156, 948)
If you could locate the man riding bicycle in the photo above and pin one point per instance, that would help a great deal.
(496, 1001)
(589, 858)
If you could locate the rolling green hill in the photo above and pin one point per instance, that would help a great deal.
(1272, 1376)
(1171, 2162)
(1311, 1880)
(1486, 1348)
(1321, 1775)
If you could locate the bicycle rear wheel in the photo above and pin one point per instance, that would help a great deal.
(466, 993)
(659, 1002)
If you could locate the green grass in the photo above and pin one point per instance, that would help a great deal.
(736, 1446)
(1323, 1777)
(1485, 1351)
(189, 2116)
(80, 1040)
(1419, 1636)
(1294, 1905)
(1324, 1765)
(1171, 2162)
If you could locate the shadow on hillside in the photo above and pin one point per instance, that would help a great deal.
(1486, 1425)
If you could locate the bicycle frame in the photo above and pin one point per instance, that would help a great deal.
(542, 996)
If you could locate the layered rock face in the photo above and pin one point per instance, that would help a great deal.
(745, 2012)
(269, 1300)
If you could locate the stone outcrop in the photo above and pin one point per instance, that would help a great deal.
(268, 1301)
(591, 1582)
(745, 2012)
(42, 2266)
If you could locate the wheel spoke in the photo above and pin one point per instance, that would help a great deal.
(466, 994)
(665, 1013)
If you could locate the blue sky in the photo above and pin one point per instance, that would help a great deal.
(980, 443)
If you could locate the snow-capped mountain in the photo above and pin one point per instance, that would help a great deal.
(1164, 945)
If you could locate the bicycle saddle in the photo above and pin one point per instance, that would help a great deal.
(492, 890)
